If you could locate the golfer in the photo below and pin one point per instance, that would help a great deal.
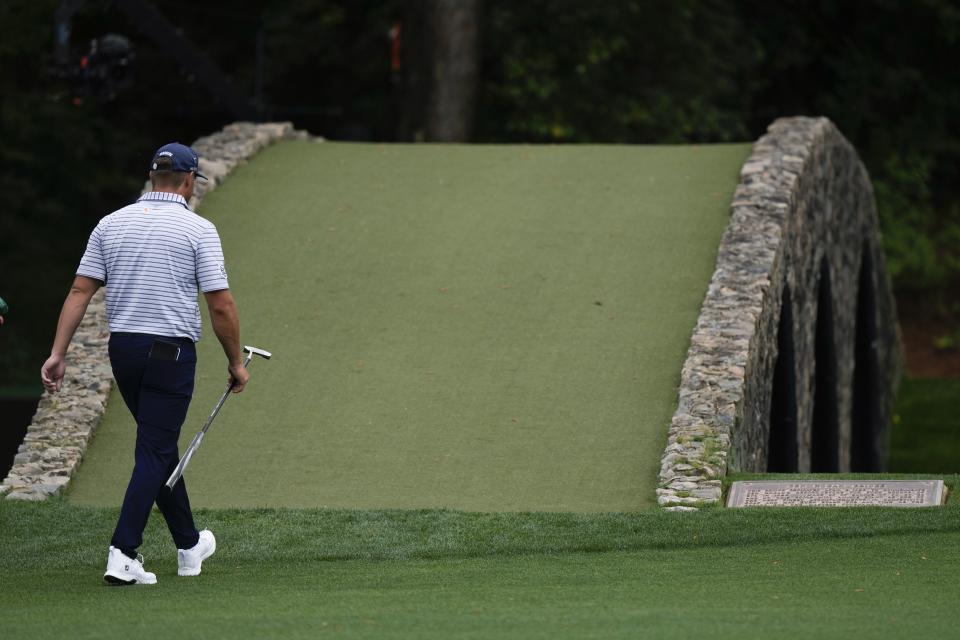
(153, 256)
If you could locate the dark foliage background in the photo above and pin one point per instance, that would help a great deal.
(551, 71)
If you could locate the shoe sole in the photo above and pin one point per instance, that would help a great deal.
(117, 581)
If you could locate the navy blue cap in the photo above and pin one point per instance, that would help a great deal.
(182, 157)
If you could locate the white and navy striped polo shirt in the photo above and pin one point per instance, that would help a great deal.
(154, 256)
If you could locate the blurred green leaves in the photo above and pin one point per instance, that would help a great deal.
(568, 71)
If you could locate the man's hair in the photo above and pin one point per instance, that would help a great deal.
(164, 177)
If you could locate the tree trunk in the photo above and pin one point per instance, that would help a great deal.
(455, 70)
(440, 69)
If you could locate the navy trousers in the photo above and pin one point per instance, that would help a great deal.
(157, 390)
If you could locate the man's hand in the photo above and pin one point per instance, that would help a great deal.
(240, 377)
(52, 373)
(75, 305)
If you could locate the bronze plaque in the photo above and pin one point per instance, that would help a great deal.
(837, 493)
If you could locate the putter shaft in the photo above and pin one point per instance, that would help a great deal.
(198, 439)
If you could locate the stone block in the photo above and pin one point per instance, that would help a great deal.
(27, 456)
(27, 494)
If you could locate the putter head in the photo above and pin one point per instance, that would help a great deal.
(260, 352)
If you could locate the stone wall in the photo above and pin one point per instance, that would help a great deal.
(64, 422)
(795, 359)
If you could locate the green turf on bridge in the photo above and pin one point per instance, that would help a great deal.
(490, 328)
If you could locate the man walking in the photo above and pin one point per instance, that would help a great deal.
(154, 256)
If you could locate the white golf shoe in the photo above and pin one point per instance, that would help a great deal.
(189, 560)
(122, 570)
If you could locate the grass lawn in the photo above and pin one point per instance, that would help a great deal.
(879, 573)
(475, 327)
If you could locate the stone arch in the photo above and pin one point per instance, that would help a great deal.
(803, 219)
(867, 445)
(782, 455)
(825, 428)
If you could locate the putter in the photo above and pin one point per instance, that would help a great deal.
(197, 439)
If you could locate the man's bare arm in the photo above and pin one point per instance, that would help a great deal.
(71, 314)
(226, 324)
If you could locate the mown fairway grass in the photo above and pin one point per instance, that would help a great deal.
(475, 327)
(878, 573)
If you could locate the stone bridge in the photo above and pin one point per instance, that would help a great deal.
(795, 359)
